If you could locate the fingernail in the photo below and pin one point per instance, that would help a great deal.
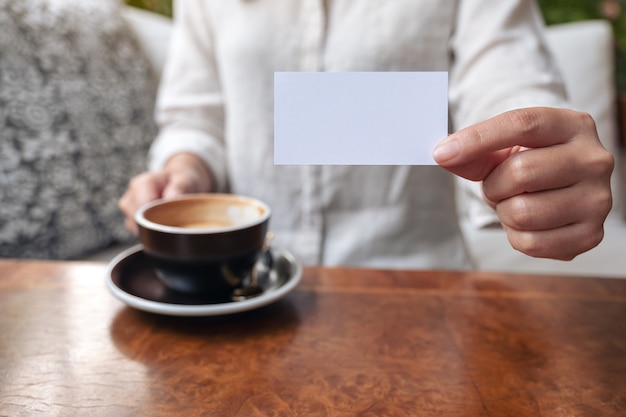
(446, 150)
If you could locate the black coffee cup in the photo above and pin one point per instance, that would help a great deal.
(204, 243)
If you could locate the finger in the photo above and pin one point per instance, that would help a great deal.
(173, 190)
(473, 152)
(544, 210)
(187, 173)
(531, 171)
(131, 225)
(564, 243)
(142, 189)
(181, 182)
(148, 187)
(125, 204)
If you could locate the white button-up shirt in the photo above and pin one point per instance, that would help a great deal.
(216, 100)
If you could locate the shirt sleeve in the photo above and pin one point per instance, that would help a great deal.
(500, 62)
(190, 105)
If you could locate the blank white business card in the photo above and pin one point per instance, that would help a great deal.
(359, 118)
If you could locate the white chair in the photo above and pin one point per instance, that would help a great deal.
(153, 32)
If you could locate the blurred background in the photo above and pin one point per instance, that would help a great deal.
(562, 11)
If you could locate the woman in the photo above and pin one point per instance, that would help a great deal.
(542, 167)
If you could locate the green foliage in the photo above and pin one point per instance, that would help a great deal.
(163, 7)
(560, 11)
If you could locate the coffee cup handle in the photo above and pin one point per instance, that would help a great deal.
(263, 266)
(266, 259)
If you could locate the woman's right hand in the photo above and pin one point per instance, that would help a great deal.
(183, 173)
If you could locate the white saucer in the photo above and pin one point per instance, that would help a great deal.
(131, 279)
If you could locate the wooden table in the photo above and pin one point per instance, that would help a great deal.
(346, 342)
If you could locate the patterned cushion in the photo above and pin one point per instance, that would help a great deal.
(76, 120)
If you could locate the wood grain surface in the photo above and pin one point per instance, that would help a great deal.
(346, 342)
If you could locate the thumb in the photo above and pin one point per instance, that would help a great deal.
(475, 151)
